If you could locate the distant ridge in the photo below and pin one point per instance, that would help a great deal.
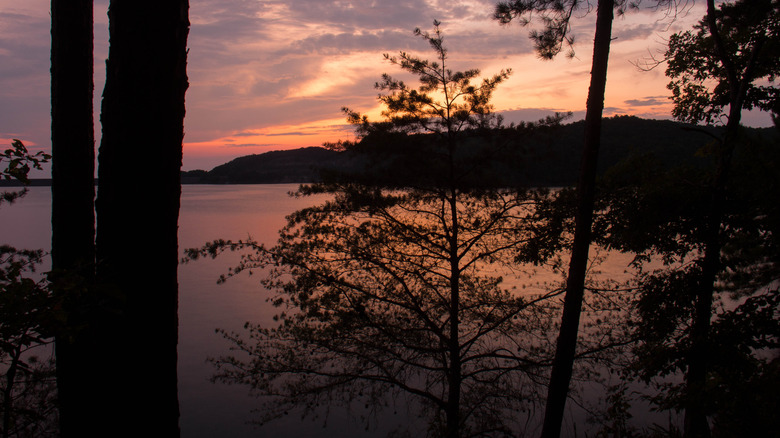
(290, 166)
(551, 163)
(554, 162)
(34, 182)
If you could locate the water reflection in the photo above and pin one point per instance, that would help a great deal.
(210, 212)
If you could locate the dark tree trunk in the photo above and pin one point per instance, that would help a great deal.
(138, 206)
(695, 423)
(73, 194)
(454, 377)
(575, 284)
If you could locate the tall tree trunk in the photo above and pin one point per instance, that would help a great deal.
(73, 195)
(138, 205)
(695, 423)
(575, 284)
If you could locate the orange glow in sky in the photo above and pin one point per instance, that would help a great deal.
(272, 74)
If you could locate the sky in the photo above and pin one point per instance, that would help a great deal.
(272, 75)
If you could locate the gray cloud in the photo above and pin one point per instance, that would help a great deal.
(648, 101)
(280, 134)
(612, 111)
(251, 145)
(374, 14)
(331, 43)
(634, 32)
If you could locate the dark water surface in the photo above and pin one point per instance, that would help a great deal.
(231, 212)
(210, 212)
(207, 213)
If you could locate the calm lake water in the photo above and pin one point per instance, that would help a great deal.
(207, 213)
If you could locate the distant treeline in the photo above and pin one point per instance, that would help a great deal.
(35, 182)
(291, 166)
(551, 159)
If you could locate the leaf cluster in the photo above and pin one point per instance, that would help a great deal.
(24, 300)
(555, 17)
(26, 310)
(704, 82)
(18, 163)
(445, 103)
(661, 215)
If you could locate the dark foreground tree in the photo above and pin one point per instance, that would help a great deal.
(73, 139)
(555, 35)
(73, 209)
(744, 43)
(400, 284)
(137, 215)
(717, 235)
(549, 43)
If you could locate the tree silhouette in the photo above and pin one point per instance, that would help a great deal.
(394, 286)
(137, 210)
(26, 390)
(73, 209)
(549, 43)
(738, 65)
(27, 402)
(556, 16)
(716, 236)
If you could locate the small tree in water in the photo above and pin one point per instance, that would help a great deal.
(393, 287)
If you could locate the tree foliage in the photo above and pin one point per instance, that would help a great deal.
(704, 84)
(661, 215)
(401, 285)
(555, 16)
(369, 281)
(26, 318)
(707, 312)
(18, 163)
(727, 66)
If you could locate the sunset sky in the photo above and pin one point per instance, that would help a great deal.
(271, 75)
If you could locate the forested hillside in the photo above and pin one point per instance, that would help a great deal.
(550, 159)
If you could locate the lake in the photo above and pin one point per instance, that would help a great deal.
(209, 212)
